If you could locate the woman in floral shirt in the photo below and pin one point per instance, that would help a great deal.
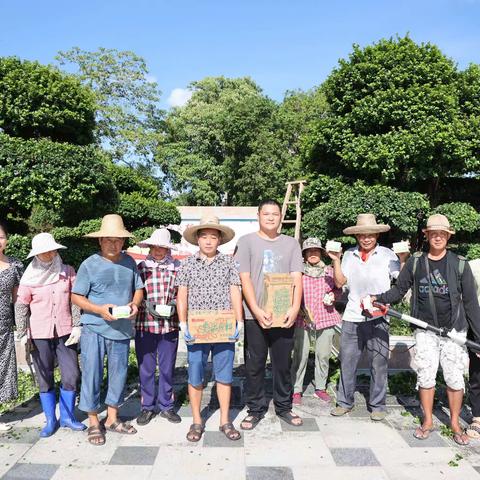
(156, 336)
(317, 321)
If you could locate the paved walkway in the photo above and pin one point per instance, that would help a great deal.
(351, 447)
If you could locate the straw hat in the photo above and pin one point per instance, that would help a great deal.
(208, 221)
(112, 226)
(159, 238)
(312, 242)
(438, 222)
(42, 243)
(366, 223)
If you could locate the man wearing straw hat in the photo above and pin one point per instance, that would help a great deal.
(206, 281)
(156, 336)
(365, 268)
(443, 295)
(109, 290)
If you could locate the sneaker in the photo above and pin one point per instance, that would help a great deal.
(338, 411)
(297, 399)
(322, 395)
(145, 417)
(171, 416)
(378, 415)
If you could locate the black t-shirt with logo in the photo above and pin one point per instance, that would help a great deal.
(438, 283)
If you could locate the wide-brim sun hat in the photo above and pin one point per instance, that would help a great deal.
(208, 221)
(366, 223)
(159, 238)
(112, 226)
(438, 222)
(311, 242)
(43, 243)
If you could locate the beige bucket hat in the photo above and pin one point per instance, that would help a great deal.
(208, 221)
(112, 226)
(42, 243)
(366, 223)
(438, 222)
(159, 238)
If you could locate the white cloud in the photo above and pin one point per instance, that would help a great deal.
(179, 97)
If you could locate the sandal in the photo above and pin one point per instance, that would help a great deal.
(253, 420)
(473, 430)
(195, 433)
(121, 427)
(461, 438)
(96, 435)
(422, 433)
(289, 418)
(230, 431)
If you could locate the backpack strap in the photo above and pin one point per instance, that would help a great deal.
(416, 256)
(461, 264)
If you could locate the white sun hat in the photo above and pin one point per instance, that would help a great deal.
(159, 238)
(42, 243)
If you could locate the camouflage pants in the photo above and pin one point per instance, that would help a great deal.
(432, 351)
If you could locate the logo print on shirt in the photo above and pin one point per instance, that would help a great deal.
(271, 260)
(438, 283)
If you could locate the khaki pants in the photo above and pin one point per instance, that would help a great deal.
(323, 347)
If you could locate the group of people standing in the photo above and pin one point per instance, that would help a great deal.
(111, 300)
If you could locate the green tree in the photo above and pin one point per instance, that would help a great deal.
(71, 181)
(401, 114)
(128, 117)
(221, 147)
(340, 203)
(41, 101)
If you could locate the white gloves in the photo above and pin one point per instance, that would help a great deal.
(74, 336)
(328, 299)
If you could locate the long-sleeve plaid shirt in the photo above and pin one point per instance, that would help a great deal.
(159, 289)
(314, 289)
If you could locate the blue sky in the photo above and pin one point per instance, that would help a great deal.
(281, 44)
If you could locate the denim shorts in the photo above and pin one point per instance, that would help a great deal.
(223, 355)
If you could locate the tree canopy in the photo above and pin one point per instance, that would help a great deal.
(128, 116)
(41, 101)
(399, 114)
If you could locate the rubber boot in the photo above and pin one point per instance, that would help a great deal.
(49, 402)
(67, 408)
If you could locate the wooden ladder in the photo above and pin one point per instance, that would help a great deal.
(293, 188)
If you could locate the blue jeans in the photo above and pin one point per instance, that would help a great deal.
(94, 347)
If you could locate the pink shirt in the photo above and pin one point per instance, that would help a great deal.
(49, 305)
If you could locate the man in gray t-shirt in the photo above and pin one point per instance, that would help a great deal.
(258, 253)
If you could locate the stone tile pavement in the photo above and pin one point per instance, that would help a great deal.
(351, 447)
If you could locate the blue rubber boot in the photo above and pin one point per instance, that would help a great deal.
(49, 402)
(67, 408)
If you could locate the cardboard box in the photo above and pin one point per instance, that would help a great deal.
(277, 296)
(211, 326)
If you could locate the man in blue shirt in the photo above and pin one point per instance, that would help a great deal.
(105, 281)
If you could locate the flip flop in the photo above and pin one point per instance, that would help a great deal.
(461, 438)
(422, 433)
